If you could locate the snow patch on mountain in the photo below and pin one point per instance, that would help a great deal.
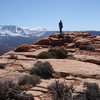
(12, 30)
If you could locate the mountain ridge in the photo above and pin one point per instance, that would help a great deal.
(12, 30)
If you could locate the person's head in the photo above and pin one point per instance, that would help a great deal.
(60, 20)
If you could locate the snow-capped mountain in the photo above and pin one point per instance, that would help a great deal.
(11, 30)
(12, 36)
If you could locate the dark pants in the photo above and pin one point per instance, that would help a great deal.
(60, 28)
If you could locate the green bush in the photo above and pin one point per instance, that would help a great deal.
(61, 91)
(92, 91)
(90, 48)
(44, 55)
(87, 47)
(58, 53)
(32, 80)
(2, 65)
(9, 91)
(42, 69)
(5, 87)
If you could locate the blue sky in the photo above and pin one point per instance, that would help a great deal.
(75, 14)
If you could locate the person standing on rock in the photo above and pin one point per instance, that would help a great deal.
(60, 26)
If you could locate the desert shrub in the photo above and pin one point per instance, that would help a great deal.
(5, 87)
(44, 55)
(2, 65)
(90, 48)
(87, 47)
(30, 80)
(92, 91)
(16, 95)
(42, 69)
(61, 91)
(83, 75)
(58, 53)
(9, 91)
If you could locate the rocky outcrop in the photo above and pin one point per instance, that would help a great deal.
(54, 40)
(82, 40)
(69, 45)
(85, 44)
(23, 48)
(97, 38)
(28, 48)
(83, 34)
(86, 58)
(80, 66)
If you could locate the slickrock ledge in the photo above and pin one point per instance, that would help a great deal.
(81, 65)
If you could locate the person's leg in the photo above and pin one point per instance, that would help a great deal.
(60, 30)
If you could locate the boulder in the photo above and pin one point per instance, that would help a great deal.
(84, 44)
(87, 47)
(69, 38)
(36, 46)
(54, 41)
(44, 41)
(69, 45)
(97, 38)
(83, 34)
(23, 48)
(86, 33)
(54, 35)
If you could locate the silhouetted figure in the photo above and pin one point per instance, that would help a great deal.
(60, 26)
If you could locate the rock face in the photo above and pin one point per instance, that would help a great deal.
(84, 34)
(80, 66)
(97, 38)
(83, 42)
(54, 40)
(86, 58)
(69, 45)
(28, 48)
(23, 48)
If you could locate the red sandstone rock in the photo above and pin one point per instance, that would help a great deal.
(54, 36)
(83, 42)
(44, 41)
(86, 33)
(23, 48)
(54, 40)
(97, 38)
(70, 45)
(83, 34)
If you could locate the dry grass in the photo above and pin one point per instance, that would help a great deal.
(87, 76)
